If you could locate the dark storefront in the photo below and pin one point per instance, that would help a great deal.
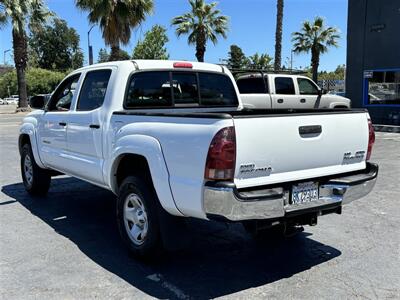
(373, 58)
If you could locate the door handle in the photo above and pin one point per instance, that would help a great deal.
(306, 131)
(303, 100)
(280, 100)
(62, 124)
(94, 126)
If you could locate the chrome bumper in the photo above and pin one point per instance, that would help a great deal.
(223, 200)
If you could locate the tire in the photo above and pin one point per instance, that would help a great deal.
(36, 180)
(138, 217)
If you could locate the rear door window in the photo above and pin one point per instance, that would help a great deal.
(149, 89)
(93, 90)
(284, 85)
(252, 85)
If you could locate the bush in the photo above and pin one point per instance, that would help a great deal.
(39, 81)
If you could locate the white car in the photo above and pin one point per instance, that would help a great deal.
(11, 101)
(283, 91)
(193, 151)
(1, 101)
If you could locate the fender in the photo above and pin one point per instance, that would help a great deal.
(28, 127)
(150, 148)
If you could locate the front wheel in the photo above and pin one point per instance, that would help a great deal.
(137, 217)
(36, 180)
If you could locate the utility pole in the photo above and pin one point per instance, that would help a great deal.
(4, 57)
(90, 47)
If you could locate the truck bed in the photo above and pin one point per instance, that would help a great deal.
(227, 114)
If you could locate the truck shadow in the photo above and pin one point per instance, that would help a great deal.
(221, 259)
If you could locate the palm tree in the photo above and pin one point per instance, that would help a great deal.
(22, 13)
(278, 35)
(116, 19)
(202, 23)
(315, 37)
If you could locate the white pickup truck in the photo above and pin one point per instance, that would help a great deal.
(276, 91)
(172, 139)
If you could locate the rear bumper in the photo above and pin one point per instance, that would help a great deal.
(223, 200)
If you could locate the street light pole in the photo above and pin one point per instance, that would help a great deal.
(90, 47)
(4, 57)
(291, 60)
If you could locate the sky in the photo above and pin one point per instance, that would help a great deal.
(251, 27)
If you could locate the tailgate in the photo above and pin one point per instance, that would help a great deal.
(274, 149)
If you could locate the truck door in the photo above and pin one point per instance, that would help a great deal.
(285, 93)
(308, 92)
(86, 126)
(52, 133)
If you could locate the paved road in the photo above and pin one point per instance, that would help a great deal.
(67, 246)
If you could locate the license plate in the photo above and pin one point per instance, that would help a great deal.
(304, 192)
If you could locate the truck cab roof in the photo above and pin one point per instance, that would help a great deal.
(147, 64)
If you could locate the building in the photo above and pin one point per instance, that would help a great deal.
(373, 58)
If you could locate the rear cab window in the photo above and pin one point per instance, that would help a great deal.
(179, 89)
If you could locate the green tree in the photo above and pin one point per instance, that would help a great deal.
(340, 71)
(56, 46)
(116, 19)
(40, 81)
(103, 56)
(257, 61)
(317, 38)
(123, 55)
(236, 58)
(203, 23)
(278, 35)
(22, 13)
(153, 45)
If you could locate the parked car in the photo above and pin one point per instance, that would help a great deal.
(172, 140)
(1, 101)
(283, 91)
(9, 101)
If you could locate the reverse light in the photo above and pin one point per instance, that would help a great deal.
(184, 65)
(221, 157)
(371, 138)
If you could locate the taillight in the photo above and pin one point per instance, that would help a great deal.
(220, 164)
(371, 138)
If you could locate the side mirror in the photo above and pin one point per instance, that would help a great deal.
(37, 102)
(322, 92)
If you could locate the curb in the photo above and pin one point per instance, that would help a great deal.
(387, 128)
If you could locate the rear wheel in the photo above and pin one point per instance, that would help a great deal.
(137, 217)
(36, 180)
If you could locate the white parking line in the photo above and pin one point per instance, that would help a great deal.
(168, 286)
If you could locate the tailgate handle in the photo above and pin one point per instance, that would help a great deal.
(310, 130)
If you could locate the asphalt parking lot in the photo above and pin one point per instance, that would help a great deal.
(66, 246)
